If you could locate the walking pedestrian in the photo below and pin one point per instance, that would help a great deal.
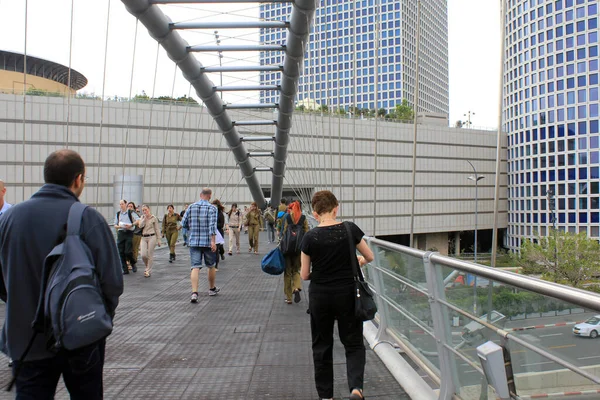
(124, 225)
(244, 213)
(220, 226)
(184, 231)
(151, 237)
(22, 254)
(254, 223)
(4, 205)
(270, 222)
(170, 230)
(201, 222)
(331, 294)
(137, 232)
(235, 222)
(292, 284)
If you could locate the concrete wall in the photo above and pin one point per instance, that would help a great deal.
(178, 149)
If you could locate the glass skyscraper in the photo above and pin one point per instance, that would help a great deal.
(551, 117)
(340, 63)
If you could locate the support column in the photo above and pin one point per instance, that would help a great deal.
(457, 244)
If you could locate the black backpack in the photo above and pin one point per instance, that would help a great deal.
(71, 312)
(292, 237)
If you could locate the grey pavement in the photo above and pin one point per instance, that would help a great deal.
(245, 343)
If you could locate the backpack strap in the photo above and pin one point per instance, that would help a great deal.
(74, 220)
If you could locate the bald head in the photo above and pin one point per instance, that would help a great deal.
(206, 193)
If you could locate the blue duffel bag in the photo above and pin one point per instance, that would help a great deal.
(273, 263)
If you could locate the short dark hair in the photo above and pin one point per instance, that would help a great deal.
(170, 206)
(132, 203)
(283, 200)
(62, 167)
(324, 201)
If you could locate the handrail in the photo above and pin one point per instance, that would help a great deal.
(436, 293)
(579, 297)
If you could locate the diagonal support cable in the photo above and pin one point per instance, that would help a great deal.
(159, 27)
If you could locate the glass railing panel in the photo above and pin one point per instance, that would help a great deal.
(403, 291)
(547, 323)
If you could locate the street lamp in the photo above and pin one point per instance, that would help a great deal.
(476, 178)
(552, 207)
(218, 41)
(468, 121)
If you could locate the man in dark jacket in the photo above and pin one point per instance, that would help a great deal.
(28, 232)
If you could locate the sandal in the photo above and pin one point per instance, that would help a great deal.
(357, 394)
(287, 301)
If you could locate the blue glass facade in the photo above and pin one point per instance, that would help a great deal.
(551, 116)
(339, 70)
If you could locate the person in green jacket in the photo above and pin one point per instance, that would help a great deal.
(170, 229)
(254, 224)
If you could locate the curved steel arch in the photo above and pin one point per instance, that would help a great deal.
(161, 28)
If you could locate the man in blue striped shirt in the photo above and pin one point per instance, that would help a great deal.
(200, 220)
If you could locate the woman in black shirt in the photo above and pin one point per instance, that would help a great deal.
(331, 294)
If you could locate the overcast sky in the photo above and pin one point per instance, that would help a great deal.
(473, 48)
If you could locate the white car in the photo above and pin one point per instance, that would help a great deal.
(590, 328)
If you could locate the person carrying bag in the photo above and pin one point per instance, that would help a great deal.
(329, 261)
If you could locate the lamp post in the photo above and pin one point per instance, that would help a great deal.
(468, 121)
(218, 41)
(476, 178)
(552, 207)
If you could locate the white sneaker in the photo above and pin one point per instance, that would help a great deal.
(214, 291)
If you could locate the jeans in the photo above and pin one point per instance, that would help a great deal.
(271, 231)
(326, 304)
(198, 253)
(81, 370)
(185, 235)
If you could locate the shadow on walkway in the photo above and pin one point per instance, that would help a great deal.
(245, 343)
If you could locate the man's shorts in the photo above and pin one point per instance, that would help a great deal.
(198, 253)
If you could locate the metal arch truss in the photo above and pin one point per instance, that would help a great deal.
(161, 28)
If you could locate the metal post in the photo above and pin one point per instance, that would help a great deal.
(475, 178)
(415, 114)
(552, 207)
(440, 317)
(218, 41)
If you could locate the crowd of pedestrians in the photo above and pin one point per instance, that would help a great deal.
(322, 257)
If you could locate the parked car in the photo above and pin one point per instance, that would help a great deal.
(589, 328)
(474, 330)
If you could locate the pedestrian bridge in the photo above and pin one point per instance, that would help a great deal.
(246, 343)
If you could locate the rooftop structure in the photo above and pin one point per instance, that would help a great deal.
(51, 76)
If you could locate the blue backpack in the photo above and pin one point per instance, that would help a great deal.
(71, 312)
(273, 263)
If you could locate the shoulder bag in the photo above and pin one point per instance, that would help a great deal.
(365, 307)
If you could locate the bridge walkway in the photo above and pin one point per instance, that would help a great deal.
(245, 343)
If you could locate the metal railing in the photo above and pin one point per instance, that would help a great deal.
(426, 310)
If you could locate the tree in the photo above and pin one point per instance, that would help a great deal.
(382, 112)
(562, 257)
(458, 124)
(403, 112)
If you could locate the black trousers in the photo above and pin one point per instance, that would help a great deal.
(81, 371)
(326, 305)
(125, 246)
